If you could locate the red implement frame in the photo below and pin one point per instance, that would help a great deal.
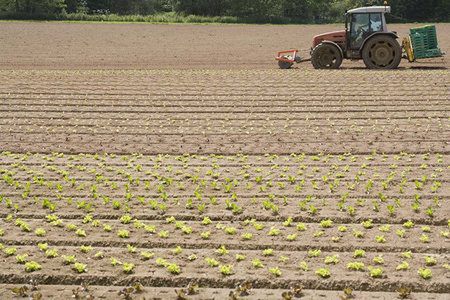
(281, 56)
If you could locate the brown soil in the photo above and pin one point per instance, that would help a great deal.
(146, 46)
(157, 293)
(212, 111)
(375, 147)
(88, 181)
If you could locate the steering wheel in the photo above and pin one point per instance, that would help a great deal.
(362, 31)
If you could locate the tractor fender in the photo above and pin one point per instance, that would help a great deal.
(331, 43)
(391, 34)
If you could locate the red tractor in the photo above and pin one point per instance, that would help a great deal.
(365, 37)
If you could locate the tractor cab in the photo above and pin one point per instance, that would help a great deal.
(361, 23)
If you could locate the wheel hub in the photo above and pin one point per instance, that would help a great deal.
(327, 57)
(382, 54)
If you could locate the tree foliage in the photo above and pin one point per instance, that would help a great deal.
(33, 7)
(298, 11)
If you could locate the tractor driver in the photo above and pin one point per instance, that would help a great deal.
(360, 28)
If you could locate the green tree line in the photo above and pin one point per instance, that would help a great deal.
(271, 11)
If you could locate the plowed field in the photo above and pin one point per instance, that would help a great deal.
(134, 165)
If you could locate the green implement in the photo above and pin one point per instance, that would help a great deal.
(424, 42)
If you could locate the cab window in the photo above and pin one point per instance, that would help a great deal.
(375, 23)
(362, 26)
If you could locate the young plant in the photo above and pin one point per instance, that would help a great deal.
(275, 271)
(247, 236)
(367, 224)
(43, 246)
(69, 259)
(226, 269)
(403, 266)
(342, 228)
(128, 268)
(222, 250)
(424, 238)
(408, 224)
(303, 265)
(146, 255)
(356, 266)
(291, 237)
(206, 221)
(385, 228)
(424, 273)
(400, 233)
(375, 272)
(21, 258)
(161, 262)
(32, 266)
(211, 262)
(323, 272)
(51, 253)
(164, 234)
(333, 259)
(80, 232)
(173, 268)
(359, 253)
(71, 227)
(267, 252)
(318, 233)
(288, 222)
(430, 261)
(40, 232)
(123, 233)
(407, 254)
(326, 223)
(358, 233)
(192, 257)
(256, 263)
(79, 267)
(186, 229)
(85, 249)
(10, 251)
(380, 239)
(273, 231)
(379, 260)
(314, 253)
(301, 227)
(115, 262)
(205, 235)
(177, 250)
(426, 229)
(230, 230)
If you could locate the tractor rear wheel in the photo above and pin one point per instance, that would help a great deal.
(382, 52)
(326, 56)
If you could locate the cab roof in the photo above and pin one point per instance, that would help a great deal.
(370, 9)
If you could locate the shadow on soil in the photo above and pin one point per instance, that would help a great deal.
(398, 69)
(428, 68)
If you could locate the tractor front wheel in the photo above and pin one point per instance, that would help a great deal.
(382, 52)
(326, 56)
